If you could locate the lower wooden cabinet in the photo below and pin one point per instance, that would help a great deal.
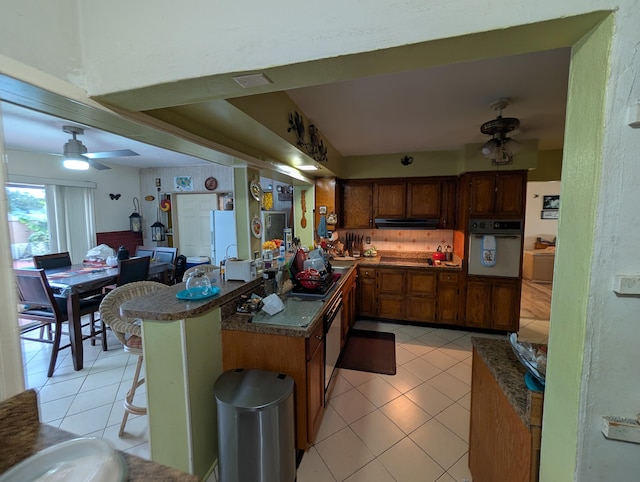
(493, 303)
(300, 358)
(315, 381)
(420, 299)
(366, 283)
(391, 293)
(348, 306)
(448, 304)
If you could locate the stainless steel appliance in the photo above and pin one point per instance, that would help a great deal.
(508, 247)
(332, 329)
(274, 224)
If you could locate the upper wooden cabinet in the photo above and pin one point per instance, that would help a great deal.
(424, 199)
(496, 193)
(356, 205)
(390, 199)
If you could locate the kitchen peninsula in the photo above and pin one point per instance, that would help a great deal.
(183, 358)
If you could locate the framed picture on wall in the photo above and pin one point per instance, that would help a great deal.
(183, 183)
(551, 214)
(550, 202)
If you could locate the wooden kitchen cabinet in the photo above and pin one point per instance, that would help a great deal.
(448, 298)
(300, 358)
(356, 202)
(493, 303)
(424, 199)
(496, 425)
(390, 199)
(496, 194)
(420, 299)
(315, 381)
(348, 306)
(390, 293)
(448, 205)
(366, 292)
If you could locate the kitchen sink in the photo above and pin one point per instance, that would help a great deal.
(340, 269)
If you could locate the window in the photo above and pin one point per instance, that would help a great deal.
(28, 224)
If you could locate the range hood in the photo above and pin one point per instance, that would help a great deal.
(407, 223)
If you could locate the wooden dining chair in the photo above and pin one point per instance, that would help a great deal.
(40, 305)
(52, 261)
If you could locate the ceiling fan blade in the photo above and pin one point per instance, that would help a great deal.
(109, 154)
(97, 165)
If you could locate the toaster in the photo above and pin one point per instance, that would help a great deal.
(240, 270)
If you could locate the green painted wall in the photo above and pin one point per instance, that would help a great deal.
(581, 173)
(549, 167)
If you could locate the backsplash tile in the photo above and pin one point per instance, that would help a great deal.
(414, 240)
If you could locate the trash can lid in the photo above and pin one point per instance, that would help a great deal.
(252, 389)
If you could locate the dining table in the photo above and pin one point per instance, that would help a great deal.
(78, 281)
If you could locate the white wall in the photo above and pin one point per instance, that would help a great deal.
(111, 215)
(534, 226)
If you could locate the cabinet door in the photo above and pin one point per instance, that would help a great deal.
(366, 289)
(421, 308)
(510, 194)
(505, 305)
(421, 283)
(447, 307)
(391, 306)
(390, 200)
(315, 391)
(482, 193)
(478, 302)
(423, 199)
(448, 206)
(391, 280)
(357, 205)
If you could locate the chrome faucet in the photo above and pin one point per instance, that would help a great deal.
(226, 251)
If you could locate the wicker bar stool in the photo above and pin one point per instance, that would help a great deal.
(128, 331)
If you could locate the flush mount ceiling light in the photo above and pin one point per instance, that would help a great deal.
(500, 148)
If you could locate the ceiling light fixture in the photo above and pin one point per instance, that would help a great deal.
(500, 148)
(307, 167)
(74, 150)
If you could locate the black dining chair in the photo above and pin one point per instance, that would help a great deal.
(145, 251)
(169, 256)
(52, 261)
(133, 269)
(41, 306)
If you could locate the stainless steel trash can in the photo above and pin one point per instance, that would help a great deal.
(256, 436)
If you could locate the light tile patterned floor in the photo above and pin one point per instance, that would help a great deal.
(413, 426)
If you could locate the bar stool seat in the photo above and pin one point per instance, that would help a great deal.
(129, 333)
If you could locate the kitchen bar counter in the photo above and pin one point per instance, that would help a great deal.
(506, 417)
(23, 435)
(183, 359)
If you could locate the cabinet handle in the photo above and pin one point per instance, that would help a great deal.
(318, 337)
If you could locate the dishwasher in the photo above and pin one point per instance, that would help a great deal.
(332, 330)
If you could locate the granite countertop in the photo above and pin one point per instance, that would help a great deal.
(411, 260)
(22, 435)
(163, 305)
(299, 318)
(509, 374)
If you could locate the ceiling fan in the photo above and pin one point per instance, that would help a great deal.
(500, 148)
(75, 155)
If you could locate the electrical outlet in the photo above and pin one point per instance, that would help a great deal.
(368, 240)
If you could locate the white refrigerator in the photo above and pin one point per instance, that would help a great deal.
(224, 241)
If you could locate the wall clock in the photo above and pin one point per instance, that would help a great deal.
(211, 183)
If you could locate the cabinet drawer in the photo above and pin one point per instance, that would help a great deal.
(366, 272)
(315, 339)
(448, 277)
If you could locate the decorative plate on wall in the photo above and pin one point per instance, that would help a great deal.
(256, 190)
(256, 227)
(211, 183)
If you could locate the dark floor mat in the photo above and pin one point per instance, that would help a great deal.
(369, 351)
